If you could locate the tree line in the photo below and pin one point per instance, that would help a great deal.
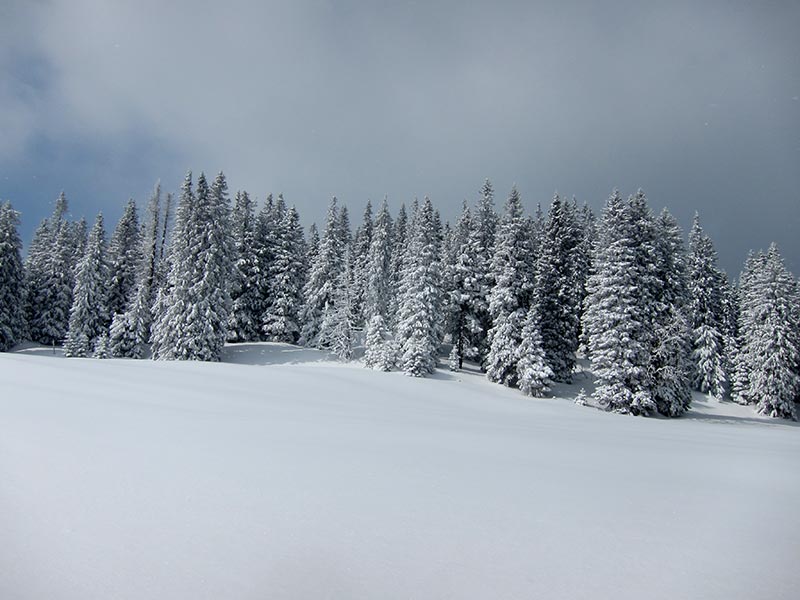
(520, 295)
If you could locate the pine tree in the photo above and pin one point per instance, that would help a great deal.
(124, 256)
(361, 246)
(130, 331)
(378, 268)
(706, 314)
(772, 342)
(325, 270)
(101, 349)
(281, 321)
(336, 330)
(508, 300)
(381, 351)
(420, 304)
(88, 318)
(194, 307)
(483, 249)
(265, 244)
(557, 289)
(533, 371)
(12, 279)
(50, 277)
(670, 364)
(618, 318)
(245, 316)
(399, 243)
(747, 301)
(464, 288)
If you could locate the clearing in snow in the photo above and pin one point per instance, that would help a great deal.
(279, 474)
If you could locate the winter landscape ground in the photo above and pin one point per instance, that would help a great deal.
(279, 474)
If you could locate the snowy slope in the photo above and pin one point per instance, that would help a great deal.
(281, 475)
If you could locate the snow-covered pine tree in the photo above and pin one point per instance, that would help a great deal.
(482, 247)
(670, 364)
(124, 256)
(380, 352)
(281, 321)
(399, 243)
(533, 370)
(508, 299)
(706, 314)
(378, 268)
(101, 349)
(50, 277)
(130, 331)
(420, 304)
(464, 324)
(588, 231)
(771, 341)
(266, 243)
(747, 301)
(245, 316)
(324, 272)
(88, 317)
(12, 279)
(619, 313)
(361, 245)
(193, 317)
(217, 259)
(557, 291)
(336, 330)
(378, 294)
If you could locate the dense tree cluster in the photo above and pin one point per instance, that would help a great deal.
(520, 296)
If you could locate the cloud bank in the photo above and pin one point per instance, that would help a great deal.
(695, 104)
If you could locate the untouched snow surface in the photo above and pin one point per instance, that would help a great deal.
(281, 475)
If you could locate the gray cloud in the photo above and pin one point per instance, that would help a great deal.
(692, 103)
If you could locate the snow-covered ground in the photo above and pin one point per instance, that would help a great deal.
(279, 474)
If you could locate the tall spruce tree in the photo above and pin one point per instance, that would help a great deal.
(336, 330)
(50, 276)
(124, 256)
(12, 279)
(420, 303)
(378, 267)
(361, 245)
(399, 244)
(89, 318)
(130, 331)
(618, 318)
(281, 321)
(509, 298)
(325, 270)
(706, 314)
(670, 363)
(464, 324)
(193, 317)
(771, 340)
(557, 289)
(245, 316)
(482, 248)
(747, 304)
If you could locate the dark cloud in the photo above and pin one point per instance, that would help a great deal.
(694, 102)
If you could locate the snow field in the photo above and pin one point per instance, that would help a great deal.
(283, 475)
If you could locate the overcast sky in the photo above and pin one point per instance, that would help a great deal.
(696, 103)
